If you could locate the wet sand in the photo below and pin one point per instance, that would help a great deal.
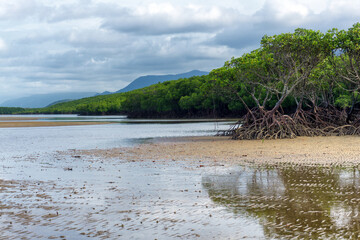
(46, 124)
(302, 150)
(67, 196)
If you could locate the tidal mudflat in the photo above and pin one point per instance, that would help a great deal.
(281, 189)
(76, 197)
(70, 196)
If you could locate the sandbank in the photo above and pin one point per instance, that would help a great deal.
(46, 124)
(17, 118)
(343, 150)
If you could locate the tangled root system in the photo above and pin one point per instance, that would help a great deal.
(262, 124)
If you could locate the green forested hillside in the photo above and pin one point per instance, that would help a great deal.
(191, 97)
(102, 104)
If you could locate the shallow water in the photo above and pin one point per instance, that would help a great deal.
(45, 194)
(64, 197)
(69, 197)
(292, 202)
(15, 142)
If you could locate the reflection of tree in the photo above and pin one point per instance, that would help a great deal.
(309, 202)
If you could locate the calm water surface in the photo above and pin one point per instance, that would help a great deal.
(292, 202)
(45, 194)
(123, 132)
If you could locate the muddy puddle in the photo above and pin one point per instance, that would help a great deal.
(67, 196)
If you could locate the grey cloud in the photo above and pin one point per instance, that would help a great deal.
(239, 37)
(186, 20)
(248, 33)
(157, 26)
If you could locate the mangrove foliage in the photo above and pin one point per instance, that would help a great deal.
(319, 72)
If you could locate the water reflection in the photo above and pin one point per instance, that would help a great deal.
(292, 202)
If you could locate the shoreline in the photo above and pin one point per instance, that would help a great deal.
(325, 151)
(18, 118)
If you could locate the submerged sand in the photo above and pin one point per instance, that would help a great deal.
(344, 150)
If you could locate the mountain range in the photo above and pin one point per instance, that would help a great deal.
(148, 80)
(43, 100)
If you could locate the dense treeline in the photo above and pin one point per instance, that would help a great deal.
(183, 98)
(11, 110)
(99, 105)
(192, 97)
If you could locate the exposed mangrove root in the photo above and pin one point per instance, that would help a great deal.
(262, 124)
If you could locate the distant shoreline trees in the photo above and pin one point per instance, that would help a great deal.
(11, 110)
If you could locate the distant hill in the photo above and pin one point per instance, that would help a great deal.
(60, 101)
(43, 100)
(148, 80)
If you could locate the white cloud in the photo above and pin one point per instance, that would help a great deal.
(287, 8)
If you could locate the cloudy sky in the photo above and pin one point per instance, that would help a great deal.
(96, 45)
